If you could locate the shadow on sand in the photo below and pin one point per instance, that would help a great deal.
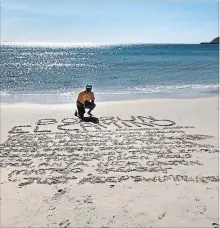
(90, 119)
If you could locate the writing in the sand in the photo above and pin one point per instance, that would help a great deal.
(74, 124)
(149, 154)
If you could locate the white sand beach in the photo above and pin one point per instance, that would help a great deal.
(147, 163)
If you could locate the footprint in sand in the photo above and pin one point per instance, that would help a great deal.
(65, 223)
(215, 225)
(162, 215)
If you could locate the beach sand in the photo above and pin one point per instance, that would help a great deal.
(147, 163)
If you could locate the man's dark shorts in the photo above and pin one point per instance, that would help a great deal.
(81, 107)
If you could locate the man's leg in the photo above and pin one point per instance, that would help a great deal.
(81, 111)
(91, 107)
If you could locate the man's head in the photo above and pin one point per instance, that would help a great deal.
(88, 88)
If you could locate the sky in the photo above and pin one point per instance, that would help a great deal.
(109, 21)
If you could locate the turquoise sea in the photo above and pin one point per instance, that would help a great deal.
(31, 74)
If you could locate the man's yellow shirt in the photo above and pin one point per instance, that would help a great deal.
(85, 96)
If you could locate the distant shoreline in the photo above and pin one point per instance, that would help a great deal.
(209, 43)
(214, 41)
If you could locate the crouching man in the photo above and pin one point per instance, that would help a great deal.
(85, 100)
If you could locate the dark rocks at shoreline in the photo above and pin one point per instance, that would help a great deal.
(214, 41)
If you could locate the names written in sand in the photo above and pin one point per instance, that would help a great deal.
(74, 124)
(113, 150)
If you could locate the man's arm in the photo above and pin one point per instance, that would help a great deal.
(80, 98)
(92, 97)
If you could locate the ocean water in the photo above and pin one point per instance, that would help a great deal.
(117, 72)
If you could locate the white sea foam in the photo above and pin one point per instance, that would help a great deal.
(150, 88)
(130, 90)
(2, 93)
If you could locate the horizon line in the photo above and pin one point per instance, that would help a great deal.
(76, 44)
